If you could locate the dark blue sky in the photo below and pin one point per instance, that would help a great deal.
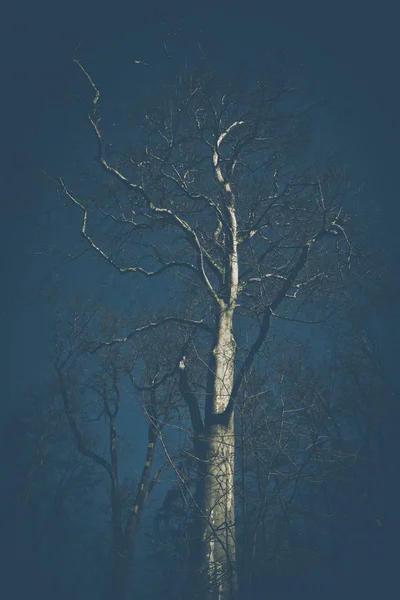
(350, 48)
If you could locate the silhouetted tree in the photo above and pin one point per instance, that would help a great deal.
(95, 381)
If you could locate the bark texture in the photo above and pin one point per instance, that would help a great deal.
(215, 491)
(219, 511)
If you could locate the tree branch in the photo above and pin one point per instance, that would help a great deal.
(265, 323)
(75, 429)
(154, 325)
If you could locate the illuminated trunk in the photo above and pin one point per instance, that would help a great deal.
(215, 492)
(216, 498)
(219, 514)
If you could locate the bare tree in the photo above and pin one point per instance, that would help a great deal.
(217, 197)
(92, 390)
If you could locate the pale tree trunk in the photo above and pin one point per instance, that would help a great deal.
(219, 514)
(217, 502)
(215, 492)
(219, 506)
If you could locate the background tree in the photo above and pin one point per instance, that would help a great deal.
(96, 383)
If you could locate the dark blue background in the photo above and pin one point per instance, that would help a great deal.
(352, 49)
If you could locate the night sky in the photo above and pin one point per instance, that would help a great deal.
(350, 50)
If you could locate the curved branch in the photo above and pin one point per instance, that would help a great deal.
(153, 325)
(195, 243)
(122, 270)
(75, 429)
(163, 212)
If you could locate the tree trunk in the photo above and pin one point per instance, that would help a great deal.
(219, 510)
(126, 551)
(215, 490)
